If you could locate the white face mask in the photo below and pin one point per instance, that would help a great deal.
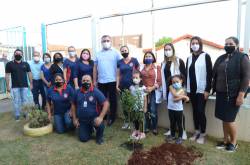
(46, 60)
(106, 45)
(168, 53)
(36, 59)
(195, 47)
(72, 54)
(136, 81)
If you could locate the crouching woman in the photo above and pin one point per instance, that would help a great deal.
(87, 114)
(60, 102)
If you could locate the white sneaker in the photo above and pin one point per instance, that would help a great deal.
(125, 126)
(195, 136)
(201, 139)
(167, 133)
(184, 135)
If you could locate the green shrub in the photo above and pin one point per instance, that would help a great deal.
(162, 41)
(37, 118)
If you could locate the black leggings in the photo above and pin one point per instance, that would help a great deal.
(198, 103)
(176, 118)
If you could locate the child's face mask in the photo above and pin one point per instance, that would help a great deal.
(177, 85)
(136, 81)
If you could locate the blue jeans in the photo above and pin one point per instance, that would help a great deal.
(152, 120)
(45, 90)
(86, 129)
(20, 98)
(63, 122)
(38, 89)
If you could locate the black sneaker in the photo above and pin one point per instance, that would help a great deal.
(100, 141)
(170, 138)
(221, 145)
(231, 148)
(179, 140)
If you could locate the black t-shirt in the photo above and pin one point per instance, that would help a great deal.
(18, 73)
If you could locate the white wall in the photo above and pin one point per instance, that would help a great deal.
(214, 125)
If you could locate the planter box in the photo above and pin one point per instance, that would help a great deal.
(34, 132)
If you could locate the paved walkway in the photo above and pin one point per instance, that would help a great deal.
(6, 105)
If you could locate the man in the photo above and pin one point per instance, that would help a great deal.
(3, 62)
(86, 115)
(35, 66)
(105, 67)
(19, 89)
(4, 59)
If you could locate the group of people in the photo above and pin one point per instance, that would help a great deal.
(82, 92)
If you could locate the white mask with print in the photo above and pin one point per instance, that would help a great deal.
(136, 81)
(36, 59)
(168, 53)
(195, 47)
(106, 45)
(72, 54)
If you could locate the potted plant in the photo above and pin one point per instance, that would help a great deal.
(38, 122)
(133, 106)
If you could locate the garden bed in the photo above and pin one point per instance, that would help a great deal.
(165, 154)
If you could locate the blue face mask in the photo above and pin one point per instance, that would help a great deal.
(177, 86)
(148, 61)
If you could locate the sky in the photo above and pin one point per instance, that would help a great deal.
(213, 22)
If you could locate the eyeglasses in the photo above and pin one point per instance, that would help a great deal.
(105, 41)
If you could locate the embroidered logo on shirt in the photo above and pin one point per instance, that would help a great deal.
(131, 64)
(65, 95)
(91, 98)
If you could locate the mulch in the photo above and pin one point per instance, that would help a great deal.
(165, 154)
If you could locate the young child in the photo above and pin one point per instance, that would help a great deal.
(175, 107)
(138, 90)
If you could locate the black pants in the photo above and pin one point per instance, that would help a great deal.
(176, 120)
(38, 88)
(198, 103)
(109, 91)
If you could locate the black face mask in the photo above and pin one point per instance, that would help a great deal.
(229, 49)
(125, 55)
(86, 85)
(58, 59)
(58, 84)
(18, 57)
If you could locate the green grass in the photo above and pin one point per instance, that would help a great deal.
(15, 148)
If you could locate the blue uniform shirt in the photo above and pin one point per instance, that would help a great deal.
(70, 70)
(46, 72)
(126, 71)
(61, 101)
(83, 69)
(35, 69)
(87, 103)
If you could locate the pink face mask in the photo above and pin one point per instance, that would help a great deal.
(85, 56)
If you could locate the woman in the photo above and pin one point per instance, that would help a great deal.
(172, 65)
(60, 101)
(230, 82)
(125, 68)
(45, 73)
(199, 76)
(151, 78)
(69, 66)
(84, 66)
(57, 66)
